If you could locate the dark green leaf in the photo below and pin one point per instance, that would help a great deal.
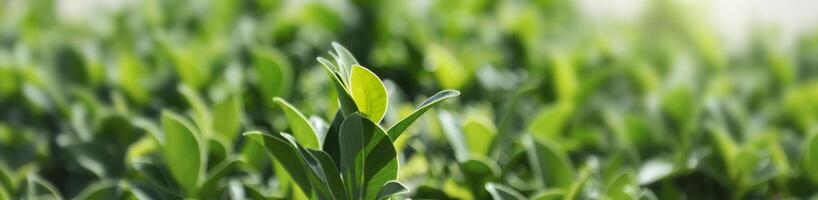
(368, 159)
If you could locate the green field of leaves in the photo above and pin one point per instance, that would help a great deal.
(398, 99)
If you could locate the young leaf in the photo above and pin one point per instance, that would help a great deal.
(183, 152)
(550, 164)
(502, 192)
(404, 123)
(368, 159)
(391, 188)
(369, 93)
(345, 61)
(299, 125)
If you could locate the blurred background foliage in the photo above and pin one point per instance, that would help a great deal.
(553, 104)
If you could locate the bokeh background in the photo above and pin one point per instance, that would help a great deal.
(680, 99)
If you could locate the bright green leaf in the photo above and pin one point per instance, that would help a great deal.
(369, 93)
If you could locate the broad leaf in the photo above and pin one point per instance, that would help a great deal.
(369, 93)
(502, 192)
(404, 123)
(183, 152)
(301, 129)
(368, 159)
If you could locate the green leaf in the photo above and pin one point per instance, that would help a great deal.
(228, 117)
(345, 61)
(331, 140)
(369, 93)
(404, 123)
(183, 152)
(368, 159)
(301, 129)
(273, 71)
(344, 97)
(391, 188)
(502, 192)
(550, 164)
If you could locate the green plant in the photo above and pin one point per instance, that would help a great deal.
(356, 157)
